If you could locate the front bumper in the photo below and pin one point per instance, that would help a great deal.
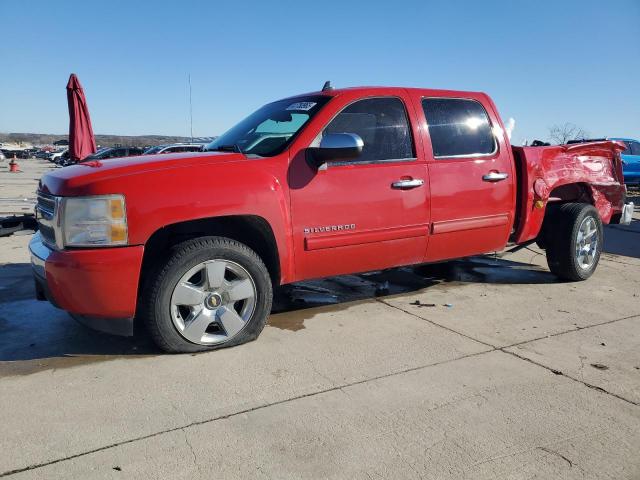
(98, 287)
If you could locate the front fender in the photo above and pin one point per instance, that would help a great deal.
(155, 199)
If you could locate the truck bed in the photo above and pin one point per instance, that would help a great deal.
(589, 172)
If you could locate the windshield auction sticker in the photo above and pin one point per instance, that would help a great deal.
(301, 106)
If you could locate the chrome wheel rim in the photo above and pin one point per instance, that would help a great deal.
(587, 243)
(213, 302)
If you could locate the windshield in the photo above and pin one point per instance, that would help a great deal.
(99, 154)
(269, 130)
(151, 150)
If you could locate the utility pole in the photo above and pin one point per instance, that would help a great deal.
(190, 109)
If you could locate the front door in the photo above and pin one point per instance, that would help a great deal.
(368, 213)
(472, 177)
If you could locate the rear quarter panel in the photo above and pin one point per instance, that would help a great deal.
(596, 167)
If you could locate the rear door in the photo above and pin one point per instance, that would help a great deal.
(471, 174)
(368, 213)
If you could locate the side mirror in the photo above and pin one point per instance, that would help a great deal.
(335, 147)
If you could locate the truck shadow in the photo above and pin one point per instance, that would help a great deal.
(347, 288)
(35, 336)
(617, 239)
(625, 239)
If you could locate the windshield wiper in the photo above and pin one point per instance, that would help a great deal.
(228, 148)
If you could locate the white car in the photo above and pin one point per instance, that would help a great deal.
(55, 157)
(174, 148)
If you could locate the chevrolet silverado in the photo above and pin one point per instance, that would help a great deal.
(321, 184)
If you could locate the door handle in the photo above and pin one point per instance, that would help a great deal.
(495, 177)
(407, 184)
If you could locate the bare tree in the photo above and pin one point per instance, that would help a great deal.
(561, 134)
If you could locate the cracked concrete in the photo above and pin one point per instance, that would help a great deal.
(498, 385)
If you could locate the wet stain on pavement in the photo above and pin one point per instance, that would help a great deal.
(292, 321)
(16, 282)
(48, 339)
(28, 367)
(292, 302)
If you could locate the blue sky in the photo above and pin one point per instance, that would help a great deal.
(543, 62)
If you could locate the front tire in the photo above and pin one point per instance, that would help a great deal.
(573, 241)
(211, 292)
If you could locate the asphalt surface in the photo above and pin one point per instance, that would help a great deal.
(483, 368)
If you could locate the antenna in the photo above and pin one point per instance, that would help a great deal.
(327, 86)
(190, 109)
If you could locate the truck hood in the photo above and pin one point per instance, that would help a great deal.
(67, 180)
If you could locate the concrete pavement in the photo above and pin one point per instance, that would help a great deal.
(519, 377)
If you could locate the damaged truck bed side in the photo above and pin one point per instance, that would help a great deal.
(320, 184)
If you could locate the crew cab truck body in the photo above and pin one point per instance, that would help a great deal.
(321, 184)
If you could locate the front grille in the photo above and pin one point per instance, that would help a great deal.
(46, 203)
(46, 211)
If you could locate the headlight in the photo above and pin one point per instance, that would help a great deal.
(94, 221)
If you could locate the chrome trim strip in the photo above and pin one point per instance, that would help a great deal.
(51, 219)
(39, 254)
(370, 162)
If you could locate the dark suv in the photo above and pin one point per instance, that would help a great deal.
(114, 152)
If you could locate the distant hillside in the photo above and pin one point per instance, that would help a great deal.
(102, 140)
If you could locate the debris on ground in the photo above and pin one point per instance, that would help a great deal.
(16, 223)
(418, 303)
(308, 294)
(599, 366)
(382, 289)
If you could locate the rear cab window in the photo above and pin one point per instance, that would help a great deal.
(458, 127)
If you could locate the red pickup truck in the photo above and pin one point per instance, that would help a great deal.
(320, 184)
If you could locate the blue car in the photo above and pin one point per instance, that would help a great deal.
(630, 161)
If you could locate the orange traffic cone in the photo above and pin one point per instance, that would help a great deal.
(13, 165)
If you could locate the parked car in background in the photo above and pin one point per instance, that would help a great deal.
(56, 156)
(114, 152)
(174, 148)
(630, 161)
(64, 159)
(31, 151)
(15, 153)
(2, 157)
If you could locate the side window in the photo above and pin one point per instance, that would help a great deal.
(635, 148)
(382, 124)
(458, 127)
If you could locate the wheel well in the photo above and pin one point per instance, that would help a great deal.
(253, 231)
(568, 193)
(571, 192)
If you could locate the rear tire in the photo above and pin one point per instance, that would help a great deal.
(211, 292)
(573, 239)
